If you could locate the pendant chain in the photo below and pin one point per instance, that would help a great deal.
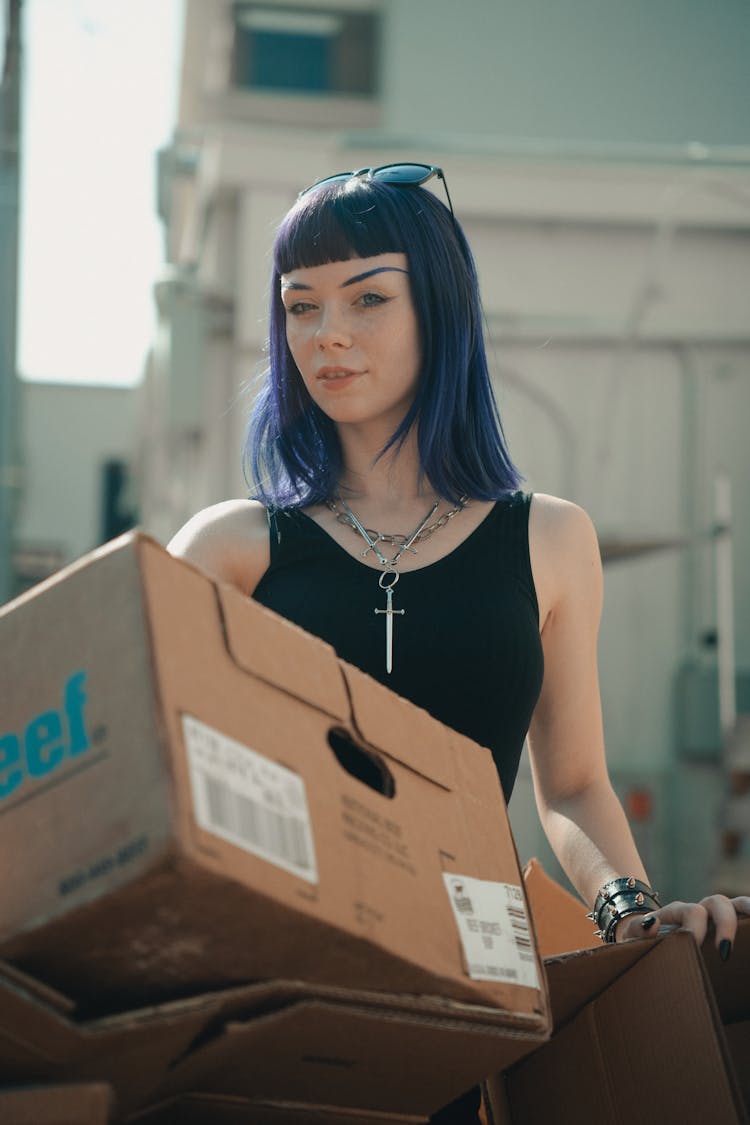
(390, 575)
(403, 542)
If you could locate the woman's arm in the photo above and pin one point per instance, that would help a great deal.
(581, 815)
(228, 542)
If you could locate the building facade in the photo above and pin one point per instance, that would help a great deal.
(614, 264)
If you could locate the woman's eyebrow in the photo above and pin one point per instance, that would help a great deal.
(371, 273)
(350, 281)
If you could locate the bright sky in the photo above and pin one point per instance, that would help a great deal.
(100, 99)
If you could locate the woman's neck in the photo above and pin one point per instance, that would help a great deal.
(390, 483)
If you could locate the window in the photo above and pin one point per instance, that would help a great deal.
(305, 50)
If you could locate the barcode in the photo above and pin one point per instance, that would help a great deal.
(520, 928)
(485, 971)
(282, 837)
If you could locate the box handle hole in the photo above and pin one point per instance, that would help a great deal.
(364, 765)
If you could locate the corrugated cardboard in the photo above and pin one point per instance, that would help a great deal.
(663, 1036)
(83, 1104)
(208, 1109)
(279, 1040)
(559, 917)
(738, 1041)
(120, 897)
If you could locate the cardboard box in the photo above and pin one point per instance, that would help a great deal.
(559, 917)
(276, 1041)
(207, 1109)
(663, 1030)
(85, 1104)
(200, 795)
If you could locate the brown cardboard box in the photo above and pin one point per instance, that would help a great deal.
(85, 1104)
(559, 917)
(275, 1041)
(661, 1026)
(208, 1109)
(176, 788)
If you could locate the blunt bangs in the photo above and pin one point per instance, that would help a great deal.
(333, 223)
(292, 454)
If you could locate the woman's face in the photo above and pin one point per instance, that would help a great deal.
(352, 331)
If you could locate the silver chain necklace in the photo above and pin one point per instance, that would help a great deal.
(390, 575)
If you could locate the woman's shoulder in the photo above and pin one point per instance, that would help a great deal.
(564, 550)
(560, 522)
(228, 541)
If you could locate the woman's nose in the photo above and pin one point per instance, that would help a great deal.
(332, 330)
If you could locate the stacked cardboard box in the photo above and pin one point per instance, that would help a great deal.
(249, 884)
(89, 1103)
(242, 869)
(652, 1028)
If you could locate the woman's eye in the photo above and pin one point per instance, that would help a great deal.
(297, 308)
(369, 300)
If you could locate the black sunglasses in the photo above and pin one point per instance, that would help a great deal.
(408, 175)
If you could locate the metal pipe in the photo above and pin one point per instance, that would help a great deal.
(10, 133)
(724, 603)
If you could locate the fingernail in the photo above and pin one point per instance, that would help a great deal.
(725, 948)
(647, 923)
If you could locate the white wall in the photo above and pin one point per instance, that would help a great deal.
(670, 71)
(69, 432)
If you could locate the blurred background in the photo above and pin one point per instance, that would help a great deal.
(598, 156)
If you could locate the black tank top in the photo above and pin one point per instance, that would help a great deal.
(467, 648)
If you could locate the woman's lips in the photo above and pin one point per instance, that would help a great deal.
(336, 378)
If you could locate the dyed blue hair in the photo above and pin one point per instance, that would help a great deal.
(293, 455)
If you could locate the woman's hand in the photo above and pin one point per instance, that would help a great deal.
(717, 911)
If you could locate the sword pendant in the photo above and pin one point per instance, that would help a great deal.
(389, 612)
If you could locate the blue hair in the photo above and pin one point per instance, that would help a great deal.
(292, 455)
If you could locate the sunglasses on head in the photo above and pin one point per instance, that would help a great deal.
(404, 175)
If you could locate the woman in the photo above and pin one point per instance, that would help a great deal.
(387, 519)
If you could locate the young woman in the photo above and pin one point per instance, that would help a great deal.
(387, 519)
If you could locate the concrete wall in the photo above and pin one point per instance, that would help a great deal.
(617, 301)
(669, 71)
(68, 433)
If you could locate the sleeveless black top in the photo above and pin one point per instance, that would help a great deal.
(467, 648)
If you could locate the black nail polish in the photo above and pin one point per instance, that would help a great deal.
(725, 948)
(647, 923)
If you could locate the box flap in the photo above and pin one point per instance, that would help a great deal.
(400, 729)
(731, 979)
(574, 979)
(559, 917)
(35, 1035)
(86, 1104)
(9, 974)
(738, 1042)
(279, 652)
(314, 1051)
(217, 1109)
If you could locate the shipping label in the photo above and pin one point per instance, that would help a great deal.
(249, 800)
(494, 929)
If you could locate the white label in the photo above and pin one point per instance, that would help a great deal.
(494, 930)
(249, 800)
